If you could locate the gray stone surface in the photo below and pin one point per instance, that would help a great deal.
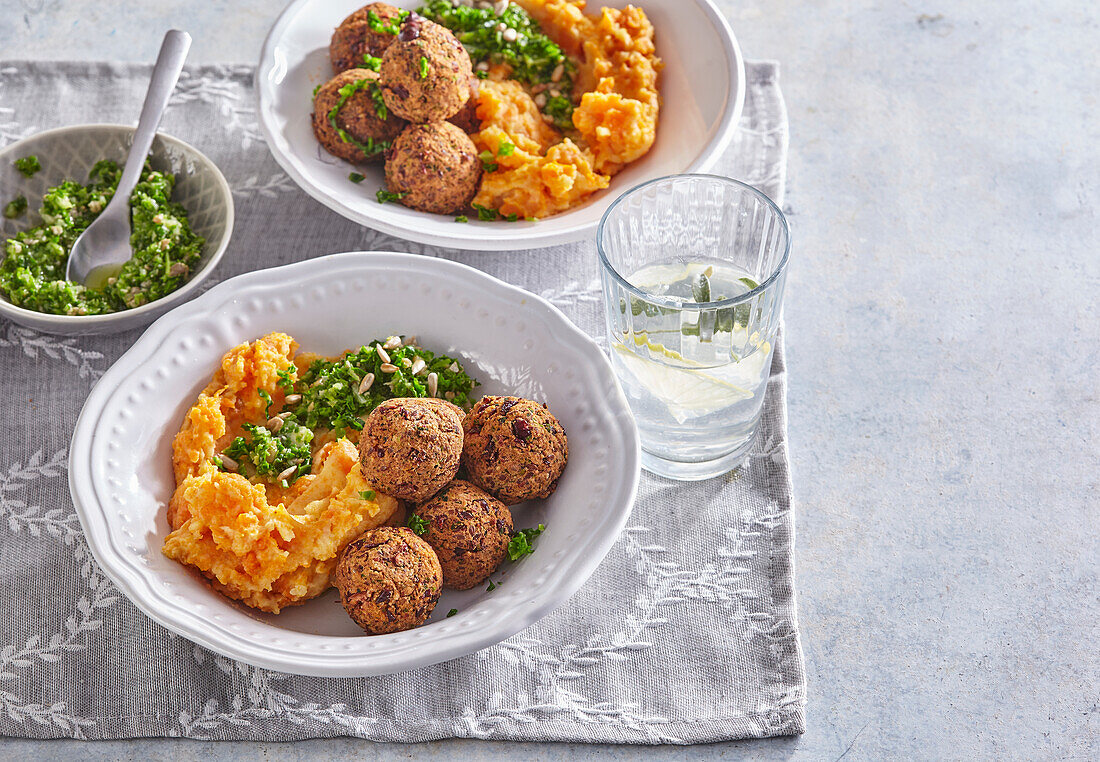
(944, 357)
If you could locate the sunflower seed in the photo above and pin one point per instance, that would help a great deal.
(406, 362)
(483, 66)
(274, 424)
(366, 383)
(388, 368)
(286, 474)
(555, 93)
(501, 27)
(393, 342)
(418, 366)
(500, 7)
(449, 395)
(292, 399)
(433, 385)
(540, 100)
(509, 35)
(454, 367)
(559, 71)
(227, 462)
(383, 355)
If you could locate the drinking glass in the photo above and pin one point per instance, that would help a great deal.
(693, 269)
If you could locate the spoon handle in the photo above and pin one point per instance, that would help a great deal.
(173, 52)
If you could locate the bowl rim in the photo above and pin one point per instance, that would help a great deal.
(42, 319)
(135, 582)
(526, 235)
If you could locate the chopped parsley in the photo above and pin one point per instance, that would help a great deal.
(425, 67)
(386, 27)
(452, 612)
(520, 545)
(487, 162)
(492, 586)
(374, 63)
(269, 455)
(329, 389)
(267, 400)
(462, 218)
(511, 217)
(367, 494)
(384, 195)
(481, 74)
(372, 147)
(15, 207)
(505, 148)
(484, 213)
(316, 89)
(28, 165)
(355, 177)
(419, 525)
(532, 56)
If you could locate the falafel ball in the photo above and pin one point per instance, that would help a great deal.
(435, 167)
(389, 580)
(367, 125)
(469, 530)
(367, 32)
(410, 448)
(514, 448)
(426, 72)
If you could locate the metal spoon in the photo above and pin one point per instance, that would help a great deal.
(105, 245)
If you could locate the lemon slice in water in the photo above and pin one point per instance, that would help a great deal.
(688, 392)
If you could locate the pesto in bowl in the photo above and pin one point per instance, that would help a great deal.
(165, 249)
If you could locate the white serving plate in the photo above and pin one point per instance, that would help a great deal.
(69, 153)
(120, 470)
(702, 93)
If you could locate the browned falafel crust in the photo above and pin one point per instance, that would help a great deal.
(426, 73)
(410, 448)
(389, 580)
(356, 37)
(469, 530)
(513, 448)
(435, 166)
(358, 115)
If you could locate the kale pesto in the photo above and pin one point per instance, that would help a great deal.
(165, 250)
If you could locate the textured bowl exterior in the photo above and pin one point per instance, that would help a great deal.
(121, 478)
(702, 94)
(69, 153)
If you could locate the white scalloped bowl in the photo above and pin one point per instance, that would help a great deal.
(120, 469)
(702, 94)
(69, 153)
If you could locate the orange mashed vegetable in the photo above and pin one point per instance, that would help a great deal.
(615, 121)
(263, 545)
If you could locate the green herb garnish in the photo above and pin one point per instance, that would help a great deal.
(383, 27)
(418, 525)
(384, 195)
(452, 612)
(484, 213)
(329, 389)
(487, 162)
(372, 147)
(481, 74)
(520, 544)
(355, 177)
(462, 218)
(749, 282)
(15, 207)
(425, 67)
(267, 399)
(28, 165)
(491, 586)
(374, 63)
(511, 217)
(560, 109)
(367, 494)
(270, 455)
(505, 148)
(316, 89)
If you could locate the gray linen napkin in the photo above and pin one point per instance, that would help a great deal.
(686, 633)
